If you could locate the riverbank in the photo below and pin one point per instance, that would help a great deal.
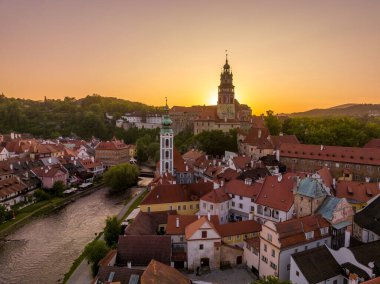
(40, 208)
(80, 270)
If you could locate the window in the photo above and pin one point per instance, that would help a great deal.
(305, 247)
(204, 205)
(170, 208)
(252, 209)
(288, 267)
(269, 237)
(204, 234)
(274, 266)
(241, 197)
(201, 246)
(191, 206)
(148, 209)
(240, 205)
(265, 247)
(297, 273)
(324, 231)
(179, 207)
(263, 258)
(233, 196)
(238, 237)
(211, 207)
(229, 238)
(309, 235)
(184, 207)
(197, 206)
(181, 239)
(273, 253)
(335, 281)
(233, 204)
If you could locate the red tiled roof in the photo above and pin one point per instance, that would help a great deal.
(157, 272)
(357, 191)
(216, 196)
(277, 194)
(10, 186)
(240, 188)
(241, 162)
(373, 143)
(184, 220)
(292, 232)
(171, 193)
(326, 176)
(192, 155)
(47, 171)
(281, 139)
(229, 174)
(258, 137)
(354, 155)
(111, 145)
(238, 228)
(193, 227)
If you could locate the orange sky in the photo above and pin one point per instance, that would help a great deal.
(286, 55)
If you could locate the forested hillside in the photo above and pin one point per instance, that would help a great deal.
(52, 118)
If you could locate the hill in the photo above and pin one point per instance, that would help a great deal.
(343, 110)
(52, 118)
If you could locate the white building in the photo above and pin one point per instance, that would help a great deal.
(215, 202)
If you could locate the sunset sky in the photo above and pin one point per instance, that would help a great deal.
(285, 55)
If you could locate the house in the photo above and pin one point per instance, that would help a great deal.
(338, 212)
(157, 272)
(4, 154)
(203, 245)
(278, 241)
(361, 162)
(138, 250)
(252, 254)
(116, 274)
(308, 197)
(234, 233)
(346, 265)
(256, 143)
(112, 152)
(181, 197)
(366, 225)
(95, 168)
(50, 175)
(357, 193)
(12, 191)
(276, 199)
(216, 202)
(148, 223)
(243, 195)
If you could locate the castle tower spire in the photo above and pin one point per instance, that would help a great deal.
(226, 93)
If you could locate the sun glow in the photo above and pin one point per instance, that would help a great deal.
(212, 98)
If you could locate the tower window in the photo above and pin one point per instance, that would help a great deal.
(167, 166)
(166, 154)
(167, 142)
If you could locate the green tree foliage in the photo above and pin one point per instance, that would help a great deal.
(52, 118)
(3, 213)
(339, 131)
(95, 251)
(270, 280)
(183, 141)
(58, 188)
(41, 195)
(121, 177)
(272, 123)
(112, 231)
(215, 142)
(147, 146)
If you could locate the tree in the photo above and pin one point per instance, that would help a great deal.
(272, 123)
(121, 177)
(58, 188)
(94, 252)
(270, 280)
(112, 231)
(3, 213)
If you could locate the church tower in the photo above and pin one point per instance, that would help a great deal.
(166, 143)
(226, 94)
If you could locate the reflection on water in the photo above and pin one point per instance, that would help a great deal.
(43, 250)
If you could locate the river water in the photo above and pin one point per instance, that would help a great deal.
(43, 250)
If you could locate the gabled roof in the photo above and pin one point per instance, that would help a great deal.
(241, 188)
(241, 162)
(277, 193)
(48, 171)
(183, 221)
(111, 145)
(357, 192)
(216, 196)
(317, 264)
(170, 193)
(326, 176)
(354, 155)
(368, 252)
(258, 137)
(311, 187)
(292, 232)
(278, 140)
(238, 228)
(157, 272)
(140, 250)
(328, 206)
(195, 226)
(369, 217)
(10, 186)
(147, 223)
(116, 274)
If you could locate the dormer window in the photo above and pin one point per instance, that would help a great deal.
(324, 231)
(309, 235)
(204, 234)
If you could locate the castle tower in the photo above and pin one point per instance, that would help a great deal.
(226, 94)
(166, 143)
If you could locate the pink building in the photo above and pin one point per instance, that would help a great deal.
(49, 175)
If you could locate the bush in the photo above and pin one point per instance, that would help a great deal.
(112, 231)
(94, 252)
(41, 195)
(121, 177)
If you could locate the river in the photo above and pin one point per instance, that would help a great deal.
(43, 250)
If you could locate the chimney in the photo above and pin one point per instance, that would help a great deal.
(334, 182)
(281, 134)
(279, 177)
(367, 179)
(49, 160)
(177, 222)
(322, 147)
(222, 183)
(129, 264)
(187, 168)
(259, 133)
(278, 155)
(11, 167)
(225, 119)
(209, 216)
(92, 159)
